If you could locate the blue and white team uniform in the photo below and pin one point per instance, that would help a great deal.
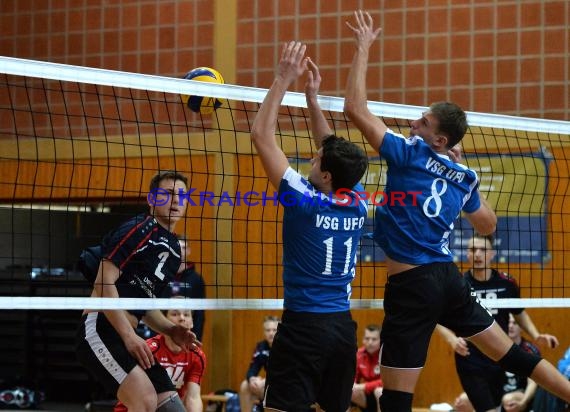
(426, 192)
(316, 338)
(148, 256)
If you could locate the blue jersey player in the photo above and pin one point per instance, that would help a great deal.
(313, 358)
(140, 258)
(424, 286)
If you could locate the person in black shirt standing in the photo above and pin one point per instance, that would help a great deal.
(138, 260)
(481, 378)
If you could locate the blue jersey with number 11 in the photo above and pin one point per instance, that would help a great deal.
(425, 192)
(320, 237)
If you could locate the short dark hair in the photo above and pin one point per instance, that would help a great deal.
(344, 160)
(373, 328)
(452, 121)
(166, 174)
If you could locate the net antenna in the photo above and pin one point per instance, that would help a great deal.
(80, 144)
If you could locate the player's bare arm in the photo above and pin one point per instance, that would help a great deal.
(291, 66)
(526, 324)
(181, 335)
(355, 103)
(104, 286)
(484, 219)
(319, 125)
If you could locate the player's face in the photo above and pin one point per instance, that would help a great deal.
(269, 330)
(480, 253)
(371, 341)
(181, 317)
(514, 328)
(426, 126)
(173, 208)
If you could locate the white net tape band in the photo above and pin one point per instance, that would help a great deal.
(78, 303)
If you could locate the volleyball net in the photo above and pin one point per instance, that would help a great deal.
(80, 145)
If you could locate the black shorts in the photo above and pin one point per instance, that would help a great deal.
(483, 388)
(418, 299)
(313, 359)
(102, 352)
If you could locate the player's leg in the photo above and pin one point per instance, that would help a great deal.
(339, 366)
(137, 393)
(170, 402)
(358, 397)
(413, 303)
(463, 404)
(496, 344)
(246, 398)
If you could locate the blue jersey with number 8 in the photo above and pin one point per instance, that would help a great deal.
(424, 194)
(320, 238)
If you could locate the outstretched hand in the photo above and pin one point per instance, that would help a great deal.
(184, 337)
(293, 62)
(313, 81)
(548, 340)
(364, 31)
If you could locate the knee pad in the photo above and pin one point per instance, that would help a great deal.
(395, 401)
(171, 404)
(519, 362)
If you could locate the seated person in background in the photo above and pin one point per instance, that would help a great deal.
(367, 386)
(190, 284)
(518, 391)
(185, 368)
(482, 378)
(251, 389)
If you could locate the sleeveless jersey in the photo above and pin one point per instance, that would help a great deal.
(320, 238)
(147, 254)
(424, 194)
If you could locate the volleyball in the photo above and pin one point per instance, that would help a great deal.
(202, 104)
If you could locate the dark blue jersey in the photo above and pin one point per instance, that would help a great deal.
(259, 359)
(320, 238)
(500, 285)
(147, 254)
(425, 192)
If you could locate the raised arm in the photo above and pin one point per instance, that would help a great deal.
(291, 66)
(355, 103)
(319, 125)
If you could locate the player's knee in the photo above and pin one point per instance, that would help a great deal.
(171, 404)
(395, 401)
(519, 362)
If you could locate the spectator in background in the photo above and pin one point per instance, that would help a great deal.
(518, 390)
(251, 389)
(190, 284)
(185, 368)
(482, 378)
(367, 386)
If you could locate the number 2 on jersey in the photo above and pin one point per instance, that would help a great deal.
(329, 255)
(157, 272)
